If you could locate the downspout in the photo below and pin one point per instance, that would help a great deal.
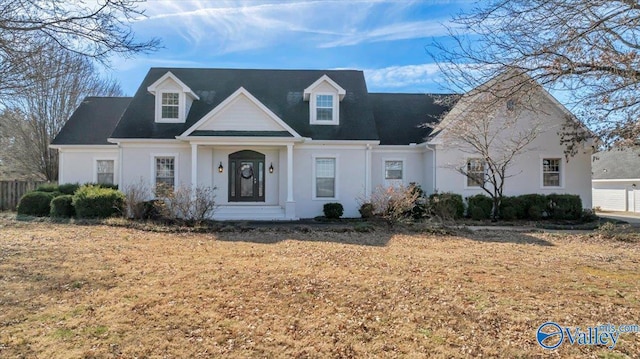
(433, 169)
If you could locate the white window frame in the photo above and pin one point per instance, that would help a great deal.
(176, 168)
(466, 178)
(314, 109)
(115, 168)
(561, 171)
(336, 193)
(181, 106)
(390, 182)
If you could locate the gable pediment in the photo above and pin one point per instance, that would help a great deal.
(324, 84)
(241, 112)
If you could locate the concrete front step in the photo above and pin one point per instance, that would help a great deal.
(256, 213)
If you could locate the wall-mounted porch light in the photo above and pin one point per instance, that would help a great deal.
(271, 168)
(220, 168)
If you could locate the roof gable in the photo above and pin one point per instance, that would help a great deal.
(240, 112)
(324, 79)
(468, 101)
(171, 77)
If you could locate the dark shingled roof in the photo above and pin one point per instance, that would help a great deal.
(93, 121)
(279, 90)
(399, 116)
(616, 164)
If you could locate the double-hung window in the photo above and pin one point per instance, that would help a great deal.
(170, 105)
(551, 172)
(165, 173)
(475, 172)
(105, 171)
(325, 177)
(324, 108)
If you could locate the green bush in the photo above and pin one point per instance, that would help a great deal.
(512, 208)
(535, 213)
(447, 205)
(47, 187)
(508, 213)
(534, 205)
(154, 209)
(479, 206)
(96, 202)
(333, 210)
(564, 206)
(68, 188)
(103, 185)
(35, 204)
(62, 206)
(366, 210)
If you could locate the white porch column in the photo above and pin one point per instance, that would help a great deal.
(194, 166)
(290, 207)
(290, 173)
(367, 171)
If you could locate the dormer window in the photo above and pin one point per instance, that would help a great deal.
(170, 105)
(173, 99)
(324, 98)
(324, 108)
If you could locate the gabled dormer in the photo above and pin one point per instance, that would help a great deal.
(324, 98)
(173, 99)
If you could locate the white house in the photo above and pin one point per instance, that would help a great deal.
(279, 144)
(616, 177)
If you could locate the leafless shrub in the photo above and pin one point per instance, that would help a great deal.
(188, 203)
(393, 203)
(136, 194)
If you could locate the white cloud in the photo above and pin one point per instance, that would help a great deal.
(397, 31)
(414, 76)
(225, 27)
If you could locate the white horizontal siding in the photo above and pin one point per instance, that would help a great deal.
(241, 115)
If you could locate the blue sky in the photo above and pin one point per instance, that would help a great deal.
(385, 39)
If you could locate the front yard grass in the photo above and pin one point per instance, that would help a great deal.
(98, 291)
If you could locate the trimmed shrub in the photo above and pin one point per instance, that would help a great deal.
(479, 206)
(420, 208)
(96, 202)
(152, 209)
(535, 213)
(333, 210)
(47, 187)
(534, 205)
(447, 205)
(366, 210)
(103, 185)
(564, 206)
(62, 206)
(36, 204)
(512, 208)
(68, 188)
(508, 213)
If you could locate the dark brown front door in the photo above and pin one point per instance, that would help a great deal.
(246, 176)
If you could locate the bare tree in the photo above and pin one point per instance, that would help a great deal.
(90, 29)
(588, 49)
(34, 117)
(492, 126)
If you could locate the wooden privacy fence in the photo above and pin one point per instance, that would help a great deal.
(11, 191)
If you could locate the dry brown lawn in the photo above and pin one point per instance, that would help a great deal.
(111, 292)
